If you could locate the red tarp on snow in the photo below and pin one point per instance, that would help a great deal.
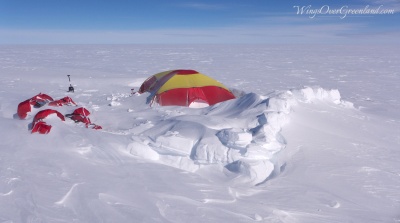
(41, 128)
(81, 115)
(63, 101)
(39, 125)
(36, 101)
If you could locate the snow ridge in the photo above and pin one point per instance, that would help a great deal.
(242, 136)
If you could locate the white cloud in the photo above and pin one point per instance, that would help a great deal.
(269, 30)
(268, 34)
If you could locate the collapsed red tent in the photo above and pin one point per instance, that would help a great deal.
(41, 128)
(39, 125)
(36, 101)
(81, 115)
(63, 101)
(44, 113)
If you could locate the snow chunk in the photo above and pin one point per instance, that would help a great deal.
(142, 150)
(174, 144)
(309, 94)
(281, 103)
(210, 151)
(235, 137)
(114, 103)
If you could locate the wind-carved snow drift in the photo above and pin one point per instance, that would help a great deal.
(243, 136)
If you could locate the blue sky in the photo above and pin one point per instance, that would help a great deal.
(188, 22)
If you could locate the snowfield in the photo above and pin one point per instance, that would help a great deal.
(313, 136)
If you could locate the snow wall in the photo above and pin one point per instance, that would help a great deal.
(242, 136)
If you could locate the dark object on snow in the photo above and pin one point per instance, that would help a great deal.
(70, 88)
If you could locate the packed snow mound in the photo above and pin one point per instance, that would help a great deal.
(242, 135)
(309, 95)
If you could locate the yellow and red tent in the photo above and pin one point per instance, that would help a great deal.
(185, 88)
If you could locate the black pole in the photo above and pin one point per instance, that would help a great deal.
(70, 89)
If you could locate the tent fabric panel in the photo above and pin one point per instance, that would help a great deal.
(44, 113)
(162, 74)
(177, 96)
(147, 84)
(37, 101)
(41, 128)
(43, 97)
(188, 81)
(177, 72)
(216, 94)
(150, 82)
(185, 72)
(81, 111)
(63, 101)
(23, 109)
(160, 82)
(185, 96)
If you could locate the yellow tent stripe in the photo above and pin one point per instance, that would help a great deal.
(187, 81)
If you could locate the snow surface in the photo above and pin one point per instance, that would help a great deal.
(314, 136)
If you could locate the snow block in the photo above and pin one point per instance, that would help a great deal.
(210, 153)
(309, 94)
(142, 150)
(256, 152)
(174, 144)
(269, 128)
(280, 105)
(235, 137)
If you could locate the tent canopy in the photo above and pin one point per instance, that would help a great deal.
(184, 88)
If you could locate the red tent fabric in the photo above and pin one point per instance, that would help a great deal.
(41, 99)
(63, 101)
(93, 126)
(41, 128)
(37, 101)
(23, 109)
(44, 113)
(39, 125)
(184, 88)
(81, 115)
(80, 118)
(81, 111)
